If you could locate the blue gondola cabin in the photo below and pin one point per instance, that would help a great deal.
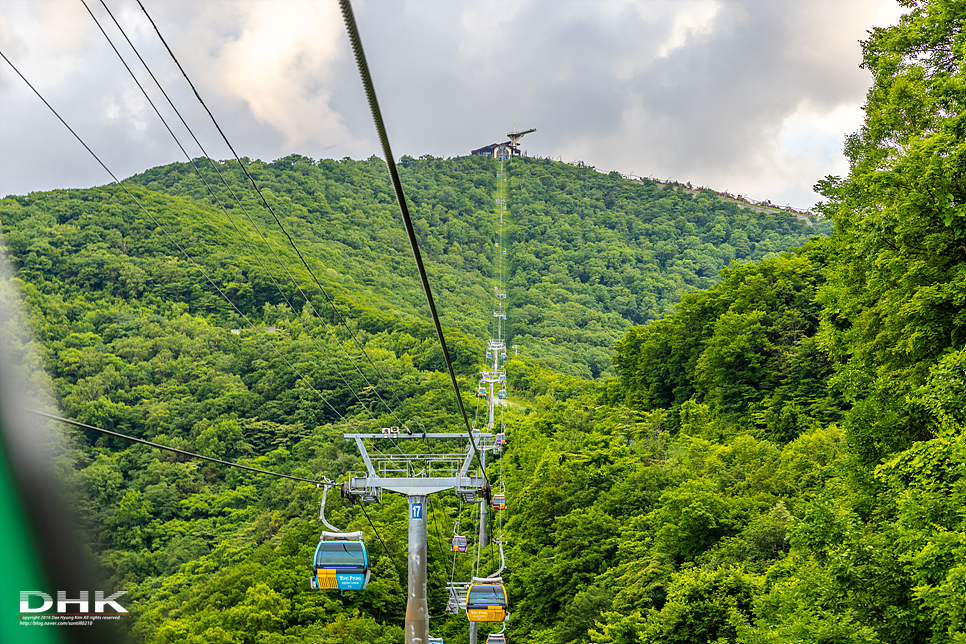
(340, 565)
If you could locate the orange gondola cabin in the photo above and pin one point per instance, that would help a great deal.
(486, 602)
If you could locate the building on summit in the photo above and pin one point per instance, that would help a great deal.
(503, 151)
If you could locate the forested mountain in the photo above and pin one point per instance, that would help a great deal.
(130, 307)
(591, 253)
(779, 457)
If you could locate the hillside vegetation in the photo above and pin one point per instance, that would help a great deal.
(779, 457)
(138, 338)
(591, 253)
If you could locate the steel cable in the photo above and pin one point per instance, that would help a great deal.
(370, 91)
(175, 242)
(232, 193)
(278, 221)
(133, 439)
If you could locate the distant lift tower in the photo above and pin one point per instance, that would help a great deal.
(417, 476)
(494, 375)
(515, 137)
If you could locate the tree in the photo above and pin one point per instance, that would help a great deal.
(703, 606)
(896, 296)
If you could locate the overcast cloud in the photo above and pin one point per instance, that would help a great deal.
(752, 96)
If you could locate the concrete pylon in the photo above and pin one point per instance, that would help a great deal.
(417, 610)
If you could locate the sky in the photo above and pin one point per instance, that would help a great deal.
(750, 96)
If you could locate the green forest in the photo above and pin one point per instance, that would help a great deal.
(725, 425)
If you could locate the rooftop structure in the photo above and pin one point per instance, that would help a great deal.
(504, 151)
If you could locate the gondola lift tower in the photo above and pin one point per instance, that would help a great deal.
(417, 476)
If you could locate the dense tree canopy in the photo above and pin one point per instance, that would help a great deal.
(591, 253)
(137, 337)
(780, 457)
(894, 302)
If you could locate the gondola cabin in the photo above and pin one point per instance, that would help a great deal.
(500, 439)
(496, 638)
(459, 543)
(502, 394)
(489, 355)
(340, 564)
(480, 392)
(503, 355)
(501, 379)
(499, 501)
(434, 640)
(486, 603)
(475, 432)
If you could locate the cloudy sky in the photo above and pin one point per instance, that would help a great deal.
(750, 96)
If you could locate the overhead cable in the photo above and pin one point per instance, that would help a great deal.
(174, 241)
(278, 221)
(392, 553)
(325, 483)
(67, 421)
(231, 219)
(370, 90)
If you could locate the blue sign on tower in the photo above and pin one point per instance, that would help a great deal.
(416, 512)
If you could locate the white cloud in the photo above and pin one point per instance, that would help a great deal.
(818, 133)
(695, 19)
(750, 95)
(49, 35)
(279, 66)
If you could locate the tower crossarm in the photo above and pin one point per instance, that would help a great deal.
(401, 436)
(417, 473)
(417, 485)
